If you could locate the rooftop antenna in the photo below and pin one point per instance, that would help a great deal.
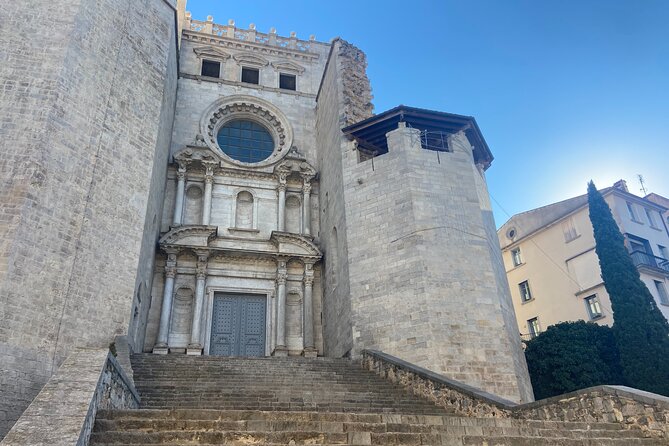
(643, 184)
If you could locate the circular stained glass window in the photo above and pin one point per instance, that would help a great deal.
(245, 141)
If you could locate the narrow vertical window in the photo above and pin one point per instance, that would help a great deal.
(515, 257)
(525, 293)
(593, 306)
(569, 230)
(630, 210)
(662, 292)
(651, 218)
(211, 68)
(533, 327)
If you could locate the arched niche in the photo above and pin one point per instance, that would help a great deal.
(182, 316)
(193, 205)
(293, 214)
(244, 206)
(294, 318)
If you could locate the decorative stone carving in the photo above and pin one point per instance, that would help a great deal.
(211, 53)
(247, 107)
(289, 67)
(251, 60)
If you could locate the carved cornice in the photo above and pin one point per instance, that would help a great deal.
(211, 52)
(289, 67)
(248, 46)
(175, 235)
(198, 157)
(293, 239)
(250, 59)
(295, 166)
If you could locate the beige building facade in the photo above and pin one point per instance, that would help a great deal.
(553, 269)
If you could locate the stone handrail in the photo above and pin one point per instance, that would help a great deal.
(249, 35)
(442, 391)
(64, 411)
(632, 408)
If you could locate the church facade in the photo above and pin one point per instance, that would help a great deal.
(211, 190)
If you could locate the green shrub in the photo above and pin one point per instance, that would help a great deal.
(571, 356)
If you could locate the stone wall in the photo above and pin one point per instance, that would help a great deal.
(632, 408)
(88, 90)
(344, 97)
(64, 411)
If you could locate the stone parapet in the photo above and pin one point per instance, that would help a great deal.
(632, 408)
(444, 392)
(64, 411)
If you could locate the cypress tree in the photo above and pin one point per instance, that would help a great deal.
(640, 330)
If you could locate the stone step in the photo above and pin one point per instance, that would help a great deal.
(334, 426)
(305, 436)
(557, 441)
(208, 415)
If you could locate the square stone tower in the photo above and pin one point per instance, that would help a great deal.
(412, 264)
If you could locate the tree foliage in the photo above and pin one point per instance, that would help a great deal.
(641, 332)
(571, 356)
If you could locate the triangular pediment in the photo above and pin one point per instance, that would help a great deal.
(251, 59)
(289, 67)
(211, 52)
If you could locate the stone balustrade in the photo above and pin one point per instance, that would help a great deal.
(632, 408)
(249, 35)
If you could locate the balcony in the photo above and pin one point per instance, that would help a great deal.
(642, 259)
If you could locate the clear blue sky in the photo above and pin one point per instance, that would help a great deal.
(563, 91)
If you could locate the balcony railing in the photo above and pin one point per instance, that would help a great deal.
(641, 258)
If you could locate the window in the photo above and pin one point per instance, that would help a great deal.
(250, 75)
(569, 230)
(663, 252)
(245, 141)
(638, 244)
(515, 257)
(651, 219)
(630, 211)
(211, 68)
(594, 307)
(533, 327)
(287, 82)
(661, 292)
(525, 294)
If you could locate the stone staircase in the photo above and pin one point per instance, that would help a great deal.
(284, 401)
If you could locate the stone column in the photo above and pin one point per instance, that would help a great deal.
(306, 206)
(282, 203)
(206, 202)
(308, 308)
(195, 346)
(161, 346)
(179, 199)
(281, 276)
